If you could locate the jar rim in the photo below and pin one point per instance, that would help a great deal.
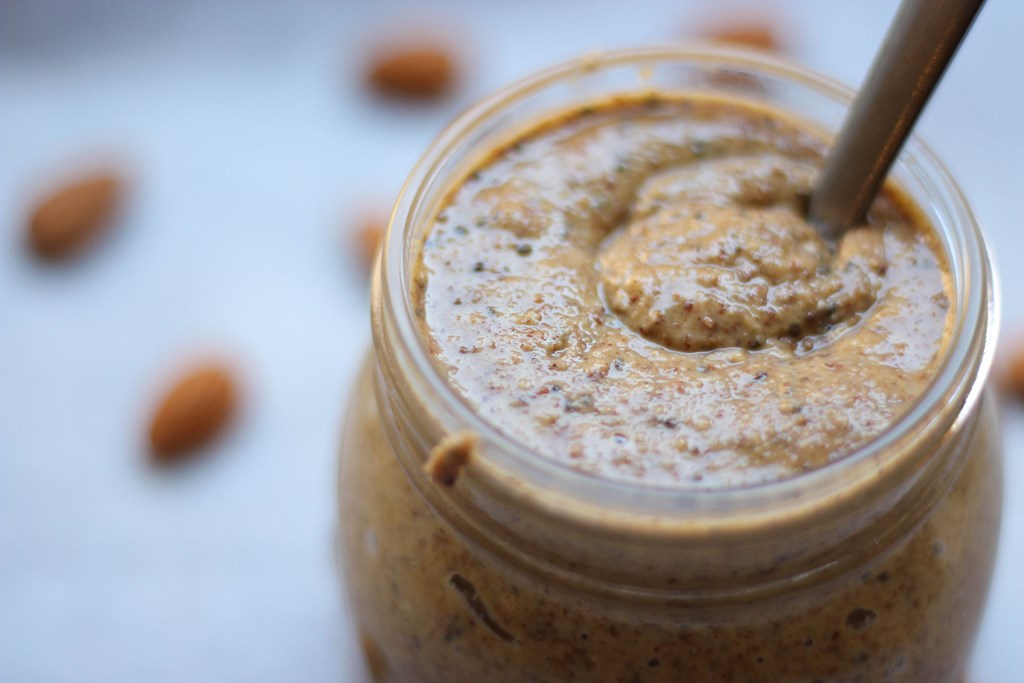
(952, 393)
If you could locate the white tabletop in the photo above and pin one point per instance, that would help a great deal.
(253, 147)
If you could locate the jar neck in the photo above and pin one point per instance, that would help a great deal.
(604, 536)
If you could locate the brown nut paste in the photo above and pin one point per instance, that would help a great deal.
(633, 288)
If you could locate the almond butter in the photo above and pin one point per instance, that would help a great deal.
(420, 73)
(192, 413)
(74, 216)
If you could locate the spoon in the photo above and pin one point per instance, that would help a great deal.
(921, 41)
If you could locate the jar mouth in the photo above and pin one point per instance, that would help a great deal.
(952, 393)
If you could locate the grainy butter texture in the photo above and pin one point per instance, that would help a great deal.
(633, 288)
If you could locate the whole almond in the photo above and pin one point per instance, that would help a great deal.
(368, 238)
(748, 34)
(375, 659)
(74, 216)
(1012, 380)
(192, 413)
(421, 73)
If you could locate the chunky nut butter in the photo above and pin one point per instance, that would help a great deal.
(634, 289)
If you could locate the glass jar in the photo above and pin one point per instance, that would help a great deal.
(872, 568)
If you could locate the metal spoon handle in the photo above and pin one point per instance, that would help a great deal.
(921, 41)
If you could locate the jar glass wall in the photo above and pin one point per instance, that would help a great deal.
(872, 568)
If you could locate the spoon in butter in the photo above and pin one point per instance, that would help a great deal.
(921, 41)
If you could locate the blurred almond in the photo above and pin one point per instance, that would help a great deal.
(193, 412)
(421, 73)
(759, 35)
(375, 659)
(368, 238)
(1012, 371)
(74, 216)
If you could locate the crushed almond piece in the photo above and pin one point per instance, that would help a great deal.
(450, 456)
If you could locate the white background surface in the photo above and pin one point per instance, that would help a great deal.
(253, 148)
